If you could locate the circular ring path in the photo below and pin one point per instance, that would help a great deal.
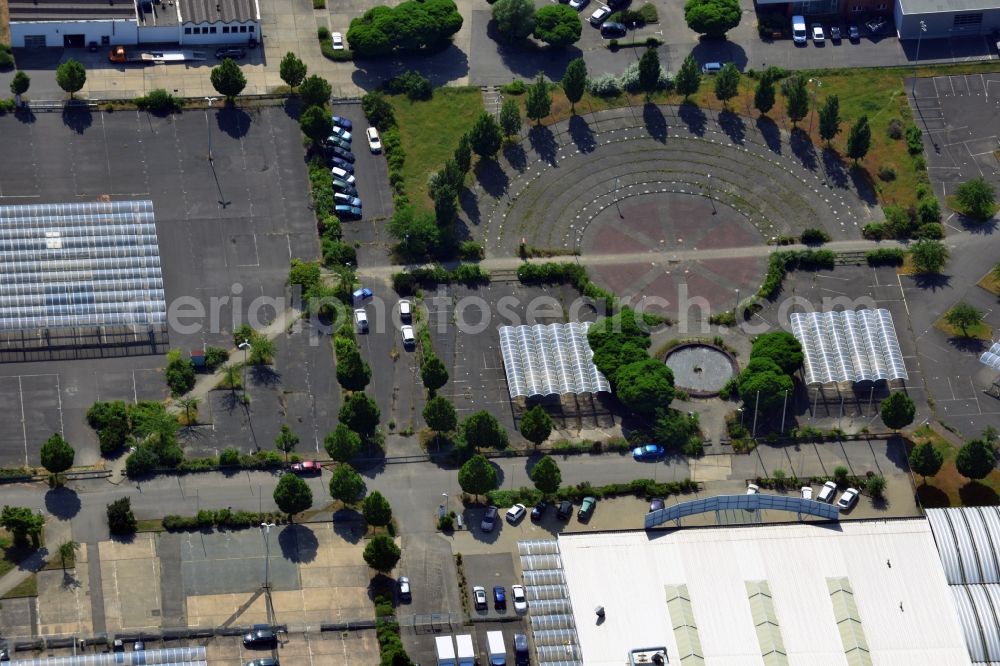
(658, 179)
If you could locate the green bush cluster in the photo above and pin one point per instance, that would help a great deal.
(407, 283)
(412, 26)
(330, 53)
(514, 88)
(914, 140)
(789, 260)
(567, 273)
(179, 373)
(6, 57)
(335, 251)
(644, 488)
(224, 518)
(470, 250)
(613, 445)
(10, 473)
(117, 424)
(389, 643)
(413, 84)
(919, 221)
(885, 256)
(214, 357)
(814, 236)
(158, 101)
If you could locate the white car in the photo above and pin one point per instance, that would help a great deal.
(343, 175)
(361, 318)
(827, 492)
(479, 595)
(374, 142)
(848, 499)
(407, 333)
(405, 310)
(752, 489)
(599, 16)
(338, 41)
(520, 600)
(342, 133)
(516, 513)
(578, 4)
(404, 588)
(807, 492)
(818, 36)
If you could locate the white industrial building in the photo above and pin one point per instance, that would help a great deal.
(946, 18)
(78, 23)
(857, 592)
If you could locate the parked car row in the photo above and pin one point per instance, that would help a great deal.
(517, 596)
(338, 145)
(516, 513)
(363, 295)
(599, 19)
(826, 494)
(818, 33)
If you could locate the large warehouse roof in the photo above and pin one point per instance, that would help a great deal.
(70, 10)
(85, 264)
(549, 360)
(860, 592)
(848, 346)
(212, 11)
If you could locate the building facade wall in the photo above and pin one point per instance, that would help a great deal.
(161, 34)
(947, 24)
(220, 33)
(117, 32)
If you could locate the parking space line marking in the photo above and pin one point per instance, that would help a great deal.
(24, 427)
(135, 391)
(62, 426)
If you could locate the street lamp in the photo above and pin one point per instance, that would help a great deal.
(920, 35)
(209, 125)
(816, 84)
(709, 176)
(445, 496)
(245, 346)
(265, 531)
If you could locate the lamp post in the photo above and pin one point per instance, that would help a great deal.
(736, 308)
(208, 124)
(265, 531)
(920, 35)
(816, 84)
(445, 496)
(709, 176)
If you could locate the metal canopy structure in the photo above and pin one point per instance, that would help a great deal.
(179, 656)
(80, 264)
(755, 503)
(848, 346)
(552, 623)
(992, 357)
(549, 360)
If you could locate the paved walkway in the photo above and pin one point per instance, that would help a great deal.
(55, 533)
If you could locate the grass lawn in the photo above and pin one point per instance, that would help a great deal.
(12, 554)
(27, 588)
(430, 131)
(876, 92)
(981, 331)
(991, 283)
(948, 487)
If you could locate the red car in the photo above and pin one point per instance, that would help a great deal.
(306, 467)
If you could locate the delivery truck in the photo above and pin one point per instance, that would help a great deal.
(496, 648)
(120, 55)
(445, 651)
(466, 652)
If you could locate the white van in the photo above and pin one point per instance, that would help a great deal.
(466, 653)
(496, 648)
(799, 34)
(445, 650)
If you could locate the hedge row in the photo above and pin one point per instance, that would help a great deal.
(615, 445)
(789, 260)
(566, 273)
(226, 518)
(406, 284)
(886, 256)
(644, 488)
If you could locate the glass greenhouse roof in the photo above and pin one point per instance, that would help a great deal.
(848, 346)
(549, 360)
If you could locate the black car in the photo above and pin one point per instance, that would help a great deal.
(118, 645)
(230, 52)
(337, 151)
(539, 510)
(262, 636)
(613, 30)
(618, 4)
(342, 163)
(521, 657)
(565, 510)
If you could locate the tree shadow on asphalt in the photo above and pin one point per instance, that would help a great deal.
(442, 67)
(975, 493)
(233, 121)
(863, 186)
(24, 114)
(803, 148)
(293, 107)
(974, 226)
(77, 118)
(932, 281)
(656, 124)
(712, 49)
(265, 376)
(349, 525)
(582, 135)
(771, 133)
(470, 205)
(526, 58)
(693, 117)
(968, 345)
(516, 157)
(833, 167)
(298, 543)
(543, 142)
(733, 126)
(492, 178)
(62, 503)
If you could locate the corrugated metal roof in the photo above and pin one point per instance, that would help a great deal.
(70, 10)
(218, 11)
(552, 618)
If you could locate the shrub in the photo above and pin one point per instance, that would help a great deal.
(813, 236)
(6, 57)
(648, 13)
(566, 273)
(413, 84)
(470, 250)
(514, 88)
(630, 78)
(895, 129)
(885, 257)
(887, 173)
(928, 210)
(323, 33)
(215, 356)
(914, 140)
(319, 4)
(605, 85)
(121, 520)
(873, 231)
(931, 230)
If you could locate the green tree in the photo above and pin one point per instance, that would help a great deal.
(546, 475)
(574, 81)
(875, 486)
(538, 101)
(975, 459)
(67, 552)
(536, 425)
(417, 232)
(346, 484)
(190, 406)
(261, 351)
(796, 98)
(352, 371)
(482, 430)
(376, 509)
(382, 553)
(292, 495)
(763, 377)
(22, 522)
(292, 70)
(463, 155)
(688, 78)
(763, 97)
(713, 18)
(897, 410)
(645, 386)
(926, 460)
(859, 139)
(829, 119)
(342, 444)
(510, 117)
(976, 198)
(360, 414)
(781, 347)
(649, 71)
(70, 76)
(515, 19)
(964, 316)
(445, 205)
(121, 520)
(432, 372)
(228, 79)
(727, 83)
(315, 91)
(477, 476)
(286, 441)
(316, 124)
(674, 428)
(929, 256)
(440, 415)
(179, 373)
(485, 136)
(57, 455)
(20, 83)
(557, 25)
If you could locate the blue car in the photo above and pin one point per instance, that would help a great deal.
(648, 452)
(342, 122)
(348, 212)
(499, 596)
(342, 163)
(362, 294)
